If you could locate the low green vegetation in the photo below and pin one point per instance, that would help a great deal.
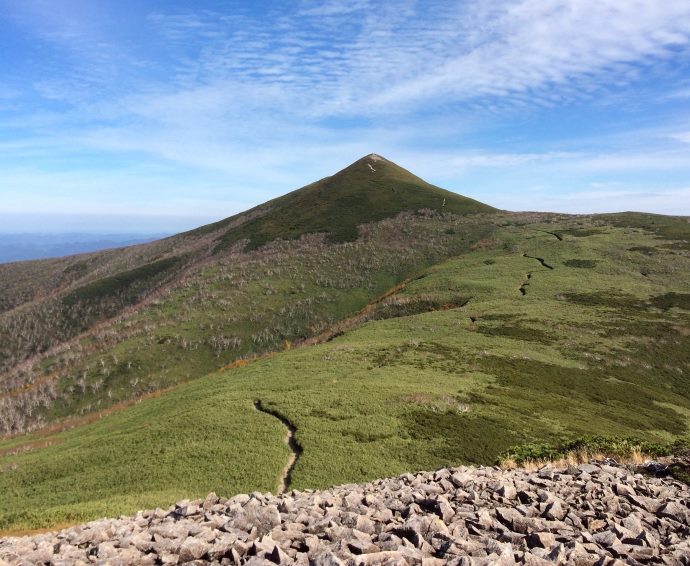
(124, 286)
(455, 367)
(581, 263)
(674, 228)
(672, 300)
(82, 334)
(369, 190)
(264, 301)
(617, 448)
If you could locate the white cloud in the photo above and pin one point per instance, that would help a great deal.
(679, 94)
(647, 161)
(501, 160)
(537, 46)
(454, 163)
(335, 8)
(364, 58)
(246, 84)
(683, 137)
(532, 52)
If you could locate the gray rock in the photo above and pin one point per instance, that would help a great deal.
(623, 489)
(193, 549)
(507, 491)
(325, 558)
(211, 500)
(606, 538)
(143, 542)
(673, 510)
(361, 546)
(542, 540)
(555, 511)
(511, 518)
(557, 554)
(254, 515)
(647, 503)
(582, 515)
(277, 556)
(365, 524)
(531, 559)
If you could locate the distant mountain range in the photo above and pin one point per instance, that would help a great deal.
(21, 247)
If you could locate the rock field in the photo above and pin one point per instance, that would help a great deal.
(584, 515)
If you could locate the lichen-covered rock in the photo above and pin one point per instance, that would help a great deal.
(585, 515)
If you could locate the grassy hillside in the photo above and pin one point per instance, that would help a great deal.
(44, 303)
(234, 309)
(370, 189)
(675, 228)
(83, 333)
(545, 331)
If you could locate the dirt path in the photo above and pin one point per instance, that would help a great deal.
(554, 234)
(523, 291)
(286, 476)
(540, 260)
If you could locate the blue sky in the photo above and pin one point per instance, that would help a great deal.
(152, 115)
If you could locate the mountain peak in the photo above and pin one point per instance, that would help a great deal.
(389, 173)
(370, 189)
(371, 158)
(368, 162)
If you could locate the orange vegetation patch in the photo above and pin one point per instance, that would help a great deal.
(451, 306)
(418, 398)
(683, 330)
(29, 447)
(326, 336)
(636, 458)
(243, 362)
(340, 327)
(484, 244)
(32, 532)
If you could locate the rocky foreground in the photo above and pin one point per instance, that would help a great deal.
(585, 515)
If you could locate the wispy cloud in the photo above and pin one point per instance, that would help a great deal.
(362, 58)
(335, 8)
(384, 57)
(683, 137)
(499, 160)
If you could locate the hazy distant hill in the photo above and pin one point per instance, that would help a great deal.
(21, 247)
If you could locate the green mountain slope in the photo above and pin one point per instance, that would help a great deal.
(480, 352)
(82, 333)
(436, 337)
(370, 189)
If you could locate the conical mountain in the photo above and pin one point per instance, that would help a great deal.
(46, 304)
(371, 189)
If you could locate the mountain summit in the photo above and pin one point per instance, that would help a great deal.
(371, 189)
